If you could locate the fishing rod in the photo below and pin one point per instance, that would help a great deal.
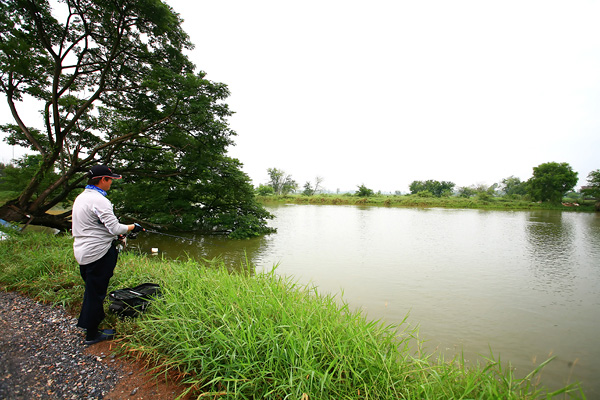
(173, 236)
(135, 235)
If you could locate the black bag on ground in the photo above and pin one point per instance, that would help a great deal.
(131, 302)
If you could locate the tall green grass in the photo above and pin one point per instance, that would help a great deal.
(253, 335)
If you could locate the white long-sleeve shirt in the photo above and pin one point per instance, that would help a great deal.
(95, 226)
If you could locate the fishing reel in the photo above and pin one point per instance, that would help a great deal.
(122, 240)
(132, 235)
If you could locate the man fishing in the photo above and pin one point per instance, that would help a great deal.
(95, 230)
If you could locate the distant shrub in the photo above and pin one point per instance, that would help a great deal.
(363, 191)
(484, 196)
(265, 190)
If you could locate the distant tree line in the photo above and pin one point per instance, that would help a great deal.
(550, 182)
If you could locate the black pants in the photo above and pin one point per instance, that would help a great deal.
(96, 276)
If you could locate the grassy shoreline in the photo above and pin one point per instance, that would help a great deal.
(488, 202)
(247, 335)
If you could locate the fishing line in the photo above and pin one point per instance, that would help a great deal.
(174, 236)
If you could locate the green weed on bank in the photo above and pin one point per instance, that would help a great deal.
(249, 335)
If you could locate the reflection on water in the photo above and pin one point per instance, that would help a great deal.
(526, 284)
(551, 246)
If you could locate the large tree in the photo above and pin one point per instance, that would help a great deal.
(551, 181)
(281, 182)
(593, 187)
(115, 87)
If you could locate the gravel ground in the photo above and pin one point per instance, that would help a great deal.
(42, 356)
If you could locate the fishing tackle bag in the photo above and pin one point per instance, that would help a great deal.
(131, 302)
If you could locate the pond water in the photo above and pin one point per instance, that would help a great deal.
(525, 284)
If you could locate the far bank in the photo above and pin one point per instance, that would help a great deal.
(476, 202)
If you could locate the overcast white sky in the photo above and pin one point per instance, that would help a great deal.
(385, 92)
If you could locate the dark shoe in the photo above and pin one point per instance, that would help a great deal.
(105, 334)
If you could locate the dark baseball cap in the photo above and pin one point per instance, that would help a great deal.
(101, 171)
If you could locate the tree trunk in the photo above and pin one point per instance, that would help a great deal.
(598, 206)
(11, 212)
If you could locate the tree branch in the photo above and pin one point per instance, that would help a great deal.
(13, 110)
